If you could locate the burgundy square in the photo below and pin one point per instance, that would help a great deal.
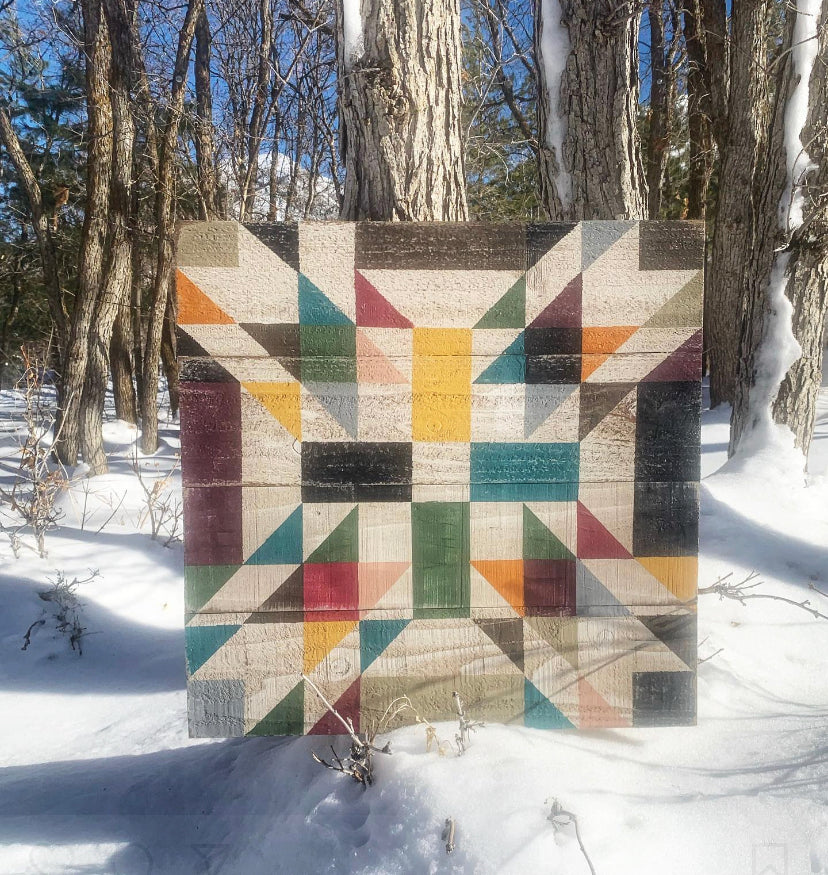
(214, 525)
(549, 587)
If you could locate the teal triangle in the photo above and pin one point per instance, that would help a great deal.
(203, 641)
(315, 308)
(539, 542)
(509, 366)
(539, 712)
(509, 311)
(592, 598)
(375, 636)
(284, 546)
(342, 545)
(287, 718)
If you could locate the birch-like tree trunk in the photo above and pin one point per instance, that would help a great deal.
(745, 140)
(600, 174)
(400, 112)
(788, 252)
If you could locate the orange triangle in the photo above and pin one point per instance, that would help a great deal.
(506, 576)
(194, 307)
(373, 366)
(376, 578)
(282, 400)
(680, 574)
(595, 711)
(321, 638)
(598, 344)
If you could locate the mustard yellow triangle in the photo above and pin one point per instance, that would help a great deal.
(283, 401)
(680, 574)
(321, 638)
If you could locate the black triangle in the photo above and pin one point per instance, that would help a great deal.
(676, 631)
(290, 596)
(541, 237)
(203, 370)
(279, 340)
(186, 345)
(597, 399)
(283, 239)
(508, 635)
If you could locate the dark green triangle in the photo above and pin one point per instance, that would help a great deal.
(539, 542)
(509, 311)
(287, 718)
(202, 582)
(539, 712)
(342, 545)
(375, 636)
(201, 642)
(284, 546)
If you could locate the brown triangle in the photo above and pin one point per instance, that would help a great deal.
(290, 596)
(597, 400)
(508, 635)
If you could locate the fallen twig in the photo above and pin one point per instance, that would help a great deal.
(448, 834)
(724, 589)
(560, 818)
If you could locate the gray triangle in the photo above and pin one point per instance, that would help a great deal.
(340, 400)
(597, 237)
(592, 598)
(542, 400)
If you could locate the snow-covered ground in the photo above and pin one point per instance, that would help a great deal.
(97, 774)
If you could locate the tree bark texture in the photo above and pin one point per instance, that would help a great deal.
(733, 236)
(400, 113)
(698, 112)
(162, 280)
(716, 72)
(120, 361)
(658, 136)
(795, 404)
(118, 273)
(203, 134)
(599, 99)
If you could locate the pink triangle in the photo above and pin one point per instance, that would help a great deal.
(595, 711)
(594, 541)
(565, 310)
(348, 706)
(376, 578)
(373, 366)
(683, 364)
(373, 310)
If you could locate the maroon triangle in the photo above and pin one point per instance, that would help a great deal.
(565, 310)
(683, 364)
(348, 705)
(373, 310)
(594, 541)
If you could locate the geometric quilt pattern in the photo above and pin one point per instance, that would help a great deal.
(420, 458)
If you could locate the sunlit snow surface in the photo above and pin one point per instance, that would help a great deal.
(97, 774)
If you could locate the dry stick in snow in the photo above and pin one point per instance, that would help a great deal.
(725, 589)
(560, 817)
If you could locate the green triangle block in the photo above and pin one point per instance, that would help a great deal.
(342, 545)
(509, 311)
(375, 636)
(539, 712)
(539, 542)
(683, 310)
(203, 641)
(202, 582)
(287, 718)
(316, 308)
(509, 366)
(284, 546)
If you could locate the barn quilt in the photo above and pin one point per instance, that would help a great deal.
(434, 457)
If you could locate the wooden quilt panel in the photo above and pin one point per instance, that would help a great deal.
(420, 458)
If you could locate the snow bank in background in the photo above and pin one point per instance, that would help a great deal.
(352, 33)
(554, 45)
(803, 54)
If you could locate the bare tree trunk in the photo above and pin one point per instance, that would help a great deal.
(118, 275)
(93, 238)
(40, 223)
(169, 358)
(400, 110)
(163, 217)
(659, 110)
(599, 174)
(733, 237)
(698, 112)
(795, 404)
(205, 160)
(716, 72)
(120, 360)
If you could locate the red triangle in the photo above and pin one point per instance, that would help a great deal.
(348, 706)
(683, 364)
(373, 310)
(565, 310)
(594, 710)
(594, 541)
